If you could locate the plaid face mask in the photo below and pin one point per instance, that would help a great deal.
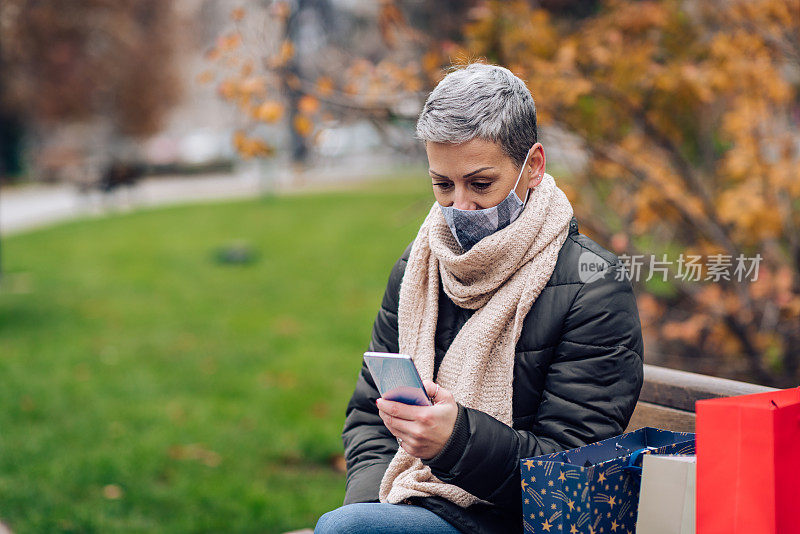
(470, 226)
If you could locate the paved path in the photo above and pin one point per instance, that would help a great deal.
(31, 206)
(22, 208)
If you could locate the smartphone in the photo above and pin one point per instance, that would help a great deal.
(397, 378)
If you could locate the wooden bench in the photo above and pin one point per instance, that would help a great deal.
(668, 396)
(667, 400)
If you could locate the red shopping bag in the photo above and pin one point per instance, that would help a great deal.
(748, 464)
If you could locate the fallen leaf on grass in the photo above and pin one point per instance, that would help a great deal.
(196, 452)
(286, 326)
(320, 410)
(281, 379)
(338, 463)
(113, 492)
(26, 404)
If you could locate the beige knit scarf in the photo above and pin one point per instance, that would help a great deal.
(500, 278)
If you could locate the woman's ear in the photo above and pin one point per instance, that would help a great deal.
(536, 163)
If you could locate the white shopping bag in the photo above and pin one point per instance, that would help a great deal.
(666, 500)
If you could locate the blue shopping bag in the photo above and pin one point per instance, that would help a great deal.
(595, 488)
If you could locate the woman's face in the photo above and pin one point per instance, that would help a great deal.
(478, 174)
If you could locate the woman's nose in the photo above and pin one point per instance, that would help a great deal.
(462, 200)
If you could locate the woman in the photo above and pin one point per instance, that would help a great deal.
(521, 352)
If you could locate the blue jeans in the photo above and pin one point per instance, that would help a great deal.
(373, 518)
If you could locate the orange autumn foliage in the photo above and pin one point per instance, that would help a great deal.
(690, 117)
(269, 87)
(269, 112)
(303, 125)
(250, 147)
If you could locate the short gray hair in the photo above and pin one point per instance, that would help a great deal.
(484, 101)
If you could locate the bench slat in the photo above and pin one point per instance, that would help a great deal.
(647, 414)
(680, 389)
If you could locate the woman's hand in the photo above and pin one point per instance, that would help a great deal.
(423, 430)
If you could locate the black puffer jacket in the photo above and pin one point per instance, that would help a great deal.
(577, 376)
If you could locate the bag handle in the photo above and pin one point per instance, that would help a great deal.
(632, 467)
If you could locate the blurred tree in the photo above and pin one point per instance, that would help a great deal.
(82, 59)
(333, 66)
(690, 115)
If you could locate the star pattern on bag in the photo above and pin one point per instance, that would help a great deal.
(582, 496)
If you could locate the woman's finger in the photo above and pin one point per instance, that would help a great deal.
(399, 410)
(398, 427)
(388, 420)
(431, 388)
(401, 428)
(437, 393)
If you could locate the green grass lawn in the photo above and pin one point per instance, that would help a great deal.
(145, 387)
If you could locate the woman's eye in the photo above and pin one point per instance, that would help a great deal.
(481, 185)
(443, 185)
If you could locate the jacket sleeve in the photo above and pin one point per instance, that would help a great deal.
(368, 444)
(590, 392)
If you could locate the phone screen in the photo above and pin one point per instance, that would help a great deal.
(396, 378)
